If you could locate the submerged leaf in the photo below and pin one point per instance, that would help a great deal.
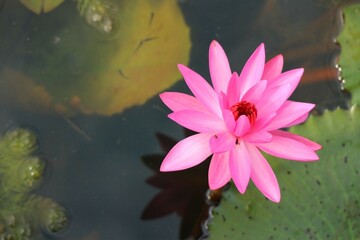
(38, 6)
(349, 40)
(320, 200)
(105, 67)
(29, 94)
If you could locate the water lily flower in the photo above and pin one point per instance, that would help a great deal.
(237, 119)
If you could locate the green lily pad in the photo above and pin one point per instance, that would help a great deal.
(349, 40)
(320, 200)
(38, 6)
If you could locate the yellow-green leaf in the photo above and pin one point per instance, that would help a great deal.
(39, 6)
(117, 55)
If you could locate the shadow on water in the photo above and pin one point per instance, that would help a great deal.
(104, 169)
(181, 192)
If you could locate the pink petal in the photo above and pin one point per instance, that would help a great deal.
(187, 153)
(198, 121)
(298, 121)
(288, 148)
(273, 100)
(219, 172)
(288, 113)
(201, 89)
(233, 90)
(228, 117)
(219, 67)
(313, 145)
(255, 93)
(262, 175)
(253, 69)
(242, 126)
(240, 167)
(291, 77)
(258, 137)
(263, 122)
(273, 68)
(180, 101)
(223, 100)
(222, 142)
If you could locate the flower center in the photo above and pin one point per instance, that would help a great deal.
(244, 108)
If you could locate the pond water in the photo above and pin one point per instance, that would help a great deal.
(101, 147)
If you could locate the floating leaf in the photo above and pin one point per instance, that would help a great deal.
(320, 200)
(349, 40)
(38, 6)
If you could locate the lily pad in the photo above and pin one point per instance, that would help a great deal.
(349, 40)
(320, 200)
(38, 6)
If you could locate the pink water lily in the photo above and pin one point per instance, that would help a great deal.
(238, 117)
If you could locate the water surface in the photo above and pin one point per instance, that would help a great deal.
(95, 162)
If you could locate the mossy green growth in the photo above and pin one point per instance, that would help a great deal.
(98, 13)
(320, 200)
(23, 215)
(349, 61)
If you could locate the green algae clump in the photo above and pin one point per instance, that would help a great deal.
(24, 215)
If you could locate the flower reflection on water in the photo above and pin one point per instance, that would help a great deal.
(182, 192)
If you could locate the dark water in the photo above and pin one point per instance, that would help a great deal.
(96, 164)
